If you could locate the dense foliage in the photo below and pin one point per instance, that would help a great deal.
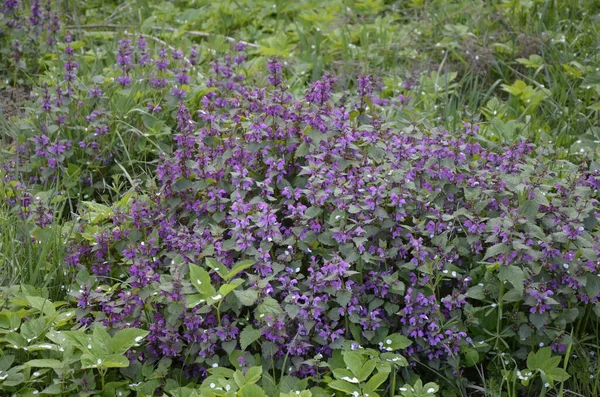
(197, 222)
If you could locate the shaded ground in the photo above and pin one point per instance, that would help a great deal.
(11, 99)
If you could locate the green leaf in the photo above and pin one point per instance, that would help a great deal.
(41, 304)
(396, 342)
(366, 370)
(538, 359)
(353, 361)
(248, 336)
(252, 375)
(395, 359)
(269, 306)
(592, 285)
(114, 361)
(217, 266)
(247, 297)
(375, 381)
(513, 275)
(239, 267)
(194, 300)
(201, 280)
(126, 339)
(251, 391)
(44, 363)
(313, 212)
(496, 250)
(558, 374)
(344, 386)
(227, 288)
(471, 357)
(101, 341)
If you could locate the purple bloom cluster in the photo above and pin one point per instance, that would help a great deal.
(358, 227)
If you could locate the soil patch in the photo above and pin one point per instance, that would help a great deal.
(11, 99)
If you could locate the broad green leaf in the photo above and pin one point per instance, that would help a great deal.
(269, 306)
(101, 341)
(247, 297)
(396, 342)
(366, 370)
(344, 386)
(218, 267)
(251, 391)
(253, 375)
(592, 285)
(41, 304)
(126, 339)
(227, 288)
(497, 249)
(374, 383)
(44, 363)
(248, 336)
(239, 267)
(513, 275)
(194, 300)
(313, 212)
(354, 362)
(201, 280)
(114, 361)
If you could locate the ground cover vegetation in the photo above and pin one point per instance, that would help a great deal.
(310, 198)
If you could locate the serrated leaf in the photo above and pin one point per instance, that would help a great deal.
(592, 285)
(248, 336)
(515, 276)
(247, 297)
(497, 249)
(313, 212)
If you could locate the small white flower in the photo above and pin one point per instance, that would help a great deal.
(217, 297)
(403, 389)
(389, 341)
(541, 344)
(431, 390)
(215, 365)
(351, 380)
(99, 361)
(89, 346)
(228, 387)
(546, 384)
(198, 282)
(138, 338)
(36, 374)
(212, 385)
